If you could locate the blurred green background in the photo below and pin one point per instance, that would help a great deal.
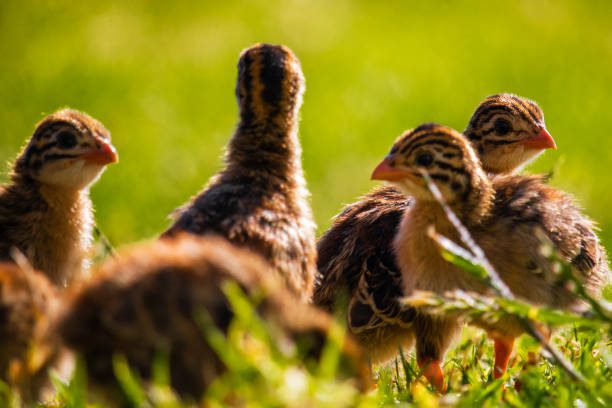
(161, 77)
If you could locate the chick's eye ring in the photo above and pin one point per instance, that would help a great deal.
(66, 139)
(424, 160)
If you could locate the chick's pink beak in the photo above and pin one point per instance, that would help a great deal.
(384, 171)
(105, 154)
(543, 140)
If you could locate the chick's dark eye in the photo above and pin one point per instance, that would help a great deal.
(424, 160)
(66, 140)
(502, 126)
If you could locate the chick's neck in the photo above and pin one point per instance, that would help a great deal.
(270, 148)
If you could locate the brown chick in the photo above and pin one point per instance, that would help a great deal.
(260, 200)
(27, 303)
(356, 254)
(505, 216)
(45, 209)
(146, 301)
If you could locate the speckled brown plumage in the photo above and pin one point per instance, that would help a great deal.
(260, 200)
(144, 302)
(506, 216)
(356, 256)
(45, 210)
(27, 303)
(357, 253)
(527, 204)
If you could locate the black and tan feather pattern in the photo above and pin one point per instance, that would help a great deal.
(260, 200)
(504, 131)
(356, 260)
(507, 216)
(528, 202)
(45, 210)
(147, 301)
(358, 270)
(358, 244)
(378, 321)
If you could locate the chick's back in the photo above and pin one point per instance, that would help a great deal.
(147, 300)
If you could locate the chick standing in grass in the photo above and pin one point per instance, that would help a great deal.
(505, 215)
(147, 301)
(356, 254)
(260, 201)
(45, 209)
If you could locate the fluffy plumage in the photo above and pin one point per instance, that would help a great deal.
(144, 302)
(356, 256)
(505, 215)
(27, 304)
(359, 270)
(260, 200)
(45, 210)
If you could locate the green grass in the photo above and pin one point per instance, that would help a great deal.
(161, 76)
(261, 375)
(573, 369)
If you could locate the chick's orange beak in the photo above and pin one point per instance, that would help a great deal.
(542, 140)
(105, 154)
(384, 171)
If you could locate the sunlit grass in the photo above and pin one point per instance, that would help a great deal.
(260, 375)
(161, 76)
(261, 372)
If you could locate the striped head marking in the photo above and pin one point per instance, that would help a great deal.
(68, 149)
(270, 84)
(441, 152)
(508, 131)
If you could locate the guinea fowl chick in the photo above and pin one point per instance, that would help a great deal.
(144, 301)
(356, 254)
(27, 303)
(260, 200)
(506, 216)
(507, 132)
(45, 209)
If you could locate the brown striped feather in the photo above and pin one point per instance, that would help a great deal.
(147, 301)
(260, 200)
(362, 235)
(512, 213)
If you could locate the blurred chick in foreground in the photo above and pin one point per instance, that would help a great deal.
(147, 300)
(28, 302)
